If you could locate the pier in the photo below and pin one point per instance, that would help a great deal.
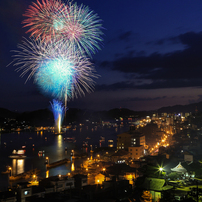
(57, 163)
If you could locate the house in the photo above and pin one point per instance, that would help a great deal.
(24, 191)
(179, 168)
(121, 172)
(80, 180)
(99, 178)
(157, 187)
(120, 156)
(57, 183)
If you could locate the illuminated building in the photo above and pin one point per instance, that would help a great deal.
(130, 139)
(99, 178)
(120, 156)
(136, 151)
(110, 143)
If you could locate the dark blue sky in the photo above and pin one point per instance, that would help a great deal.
(152, 56)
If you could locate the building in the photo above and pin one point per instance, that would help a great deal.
(123, 141)
(155, 186)
(24, 191)
(9, 196)
(99, 178)
(120, 156)
(136, 152)
(80, 180)
(57, 183)
(131, 138)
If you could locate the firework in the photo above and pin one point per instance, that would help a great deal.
(83, 29)
(57, 70)
(58, 111)
(77, 26)
(44, 19)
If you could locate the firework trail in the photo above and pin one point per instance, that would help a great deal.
(57, 71)
(77, 26)
(58, 111)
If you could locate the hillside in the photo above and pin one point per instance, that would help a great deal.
(182, 108)
(45, 116)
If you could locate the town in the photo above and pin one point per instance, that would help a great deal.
(157, 159)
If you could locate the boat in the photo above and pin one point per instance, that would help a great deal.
(57, 163)
(70, 139)
(102, 139)
(20, 154)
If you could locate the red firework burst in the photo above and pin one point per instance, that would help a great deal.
(44, 19)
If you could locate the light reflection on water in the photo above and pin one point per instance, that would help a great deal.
(72, 166)
(60, 142)
(47, 174)
(17, 166)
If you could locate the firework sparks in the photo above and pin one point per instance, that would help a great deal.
(58, 111)
(83, 29)
(58, 71)
(44, 19)
(77, 26)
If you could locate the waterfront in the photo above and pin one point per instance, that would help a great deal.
(53, 147)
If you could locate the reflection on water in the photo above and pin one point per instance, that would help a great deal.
(59, 141)
(72, 166)
(17, 166)
(47, 174)
(60, 146)
(20, 166)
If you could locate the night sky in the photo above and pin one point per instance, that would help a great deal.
(151, 56)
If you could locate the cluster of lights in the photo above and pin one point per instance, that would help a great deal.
(163, 143)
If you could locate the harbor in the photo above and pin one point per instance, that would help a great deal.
(45, 144)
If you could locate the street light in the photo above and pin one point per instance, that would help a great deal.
(47, 160)
(10, 170)
(160, 171)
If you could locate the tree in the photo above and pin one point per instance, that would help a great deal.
(174, 175)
